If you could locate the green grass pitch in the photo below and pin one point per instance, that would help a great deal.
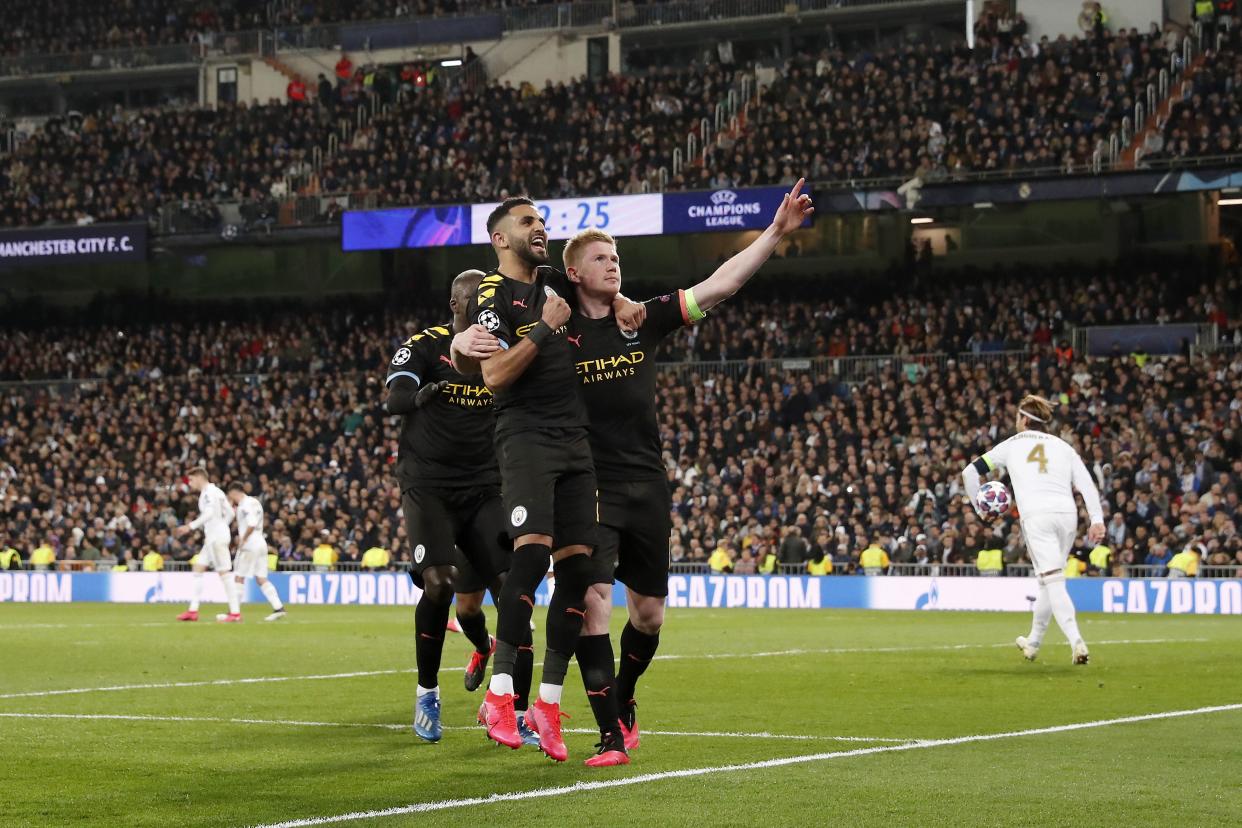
(861, 680)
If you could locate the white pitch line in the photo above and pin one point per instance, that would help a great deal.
(580, 787)
(135, 717)
(909, 649)
(209, 683)
(670, 657)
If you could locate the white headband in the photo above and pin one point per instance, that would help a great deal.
(1031, 416)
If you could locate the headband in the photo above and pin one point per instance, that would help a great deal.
(1031, 416)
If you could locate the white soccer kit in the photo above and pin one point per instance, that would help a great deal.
(252, 554)
(214, 516)
(1045, 470)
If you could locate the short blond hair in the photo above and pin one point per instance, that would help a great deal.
(575, 246)
(1035, 406)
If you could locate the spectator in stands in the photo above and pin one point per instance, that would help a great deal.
(344, 70)
(296, 90)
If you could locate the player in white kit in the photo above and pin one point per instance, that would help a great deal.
(1044, 472)
(214, 516)
(251, 559)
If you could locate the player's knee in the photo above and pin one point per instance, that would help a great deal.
(647, 615)
(469, 603)
(438, 584)
(566, 552)
(598, 610)
(575, 575)
(523, 540)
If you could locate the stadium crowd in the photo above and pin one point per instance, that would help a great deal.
(923, 111)
(1207, 120)
(797, 462)
(72, 26)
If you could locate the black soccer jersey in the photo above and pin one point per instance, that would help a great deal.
(545, 395)
(448, 442)
(618, 376)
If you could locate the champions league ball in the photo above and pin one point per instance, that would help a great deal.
(993, 498)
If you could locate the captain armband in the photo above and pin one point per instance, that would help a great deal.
(690, 307)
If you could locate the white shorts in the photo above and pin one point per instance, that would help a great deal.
(252, 560)
(1049, 539)
(214, 555)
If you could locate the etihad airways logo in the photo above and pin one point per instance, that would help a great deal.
(467, 396)
(525, 329)
(609, 368)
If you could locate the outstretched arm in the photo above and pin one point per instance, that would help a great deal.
(733, 274)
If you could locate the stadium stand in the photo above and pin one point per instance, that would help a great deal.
(71, 26)
(953, 112)
(849, 448)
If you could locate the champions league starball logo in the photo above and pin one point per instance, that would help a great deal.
(489, 320)
(726, 210)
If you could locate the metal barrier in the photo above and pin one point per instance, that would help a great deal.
(101, 60)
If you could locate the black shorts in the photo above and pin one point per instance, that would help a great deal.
(548, 480)
(443, 524)
(634, 526)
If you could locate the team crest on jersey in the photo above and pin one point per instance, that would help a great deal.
(401, 357)
(630, 334)
(547, 291)
(489, 319)
(519, 515)
(420, 552)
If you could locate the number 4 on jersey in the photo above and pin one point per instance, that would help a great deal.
(1037, 456)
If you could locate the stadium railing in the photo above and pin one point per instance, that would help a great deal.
(102, 60)
(677, 568)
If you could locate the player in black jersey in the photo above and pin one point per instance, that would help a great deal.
(548, 476)
(618, 375)
(450, 488)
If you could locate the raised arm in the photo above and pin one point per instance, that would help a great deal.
(733, 274)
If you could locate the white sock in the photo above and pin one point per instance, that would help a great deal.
(198, 591)
(501, 684)
(435, 691)
(550, 693)
(1063, 610)
(1042, 615)
(269, 592)
(230, 593)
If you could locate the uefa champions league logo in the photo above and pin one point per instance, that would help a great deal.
(724, 197)
(929, 599)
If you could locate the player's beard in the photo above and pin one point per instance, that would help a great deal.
(529, 255)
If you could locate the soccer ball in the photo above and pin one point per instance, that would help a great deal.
(993, 498)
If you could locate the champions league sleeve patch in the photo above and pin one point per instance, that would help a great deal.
(489, 320)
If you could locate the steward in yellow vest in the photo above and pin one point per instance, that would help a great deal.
(375, 558)
(823, 566)
(873, 560)
(1100, 557)
(324, 556)
(1185, 564)
(990, 562)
